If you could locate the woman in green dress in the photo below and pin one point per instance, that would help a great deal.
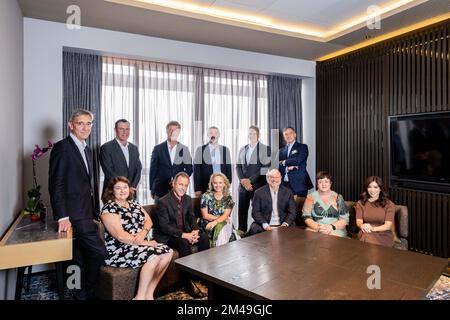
(324, 210)
(216, 206)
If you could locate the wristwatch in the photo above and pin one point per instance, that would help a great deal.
(333, 226)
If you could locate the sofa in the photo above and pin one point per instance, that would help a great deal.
(121, 283)
(399, 227)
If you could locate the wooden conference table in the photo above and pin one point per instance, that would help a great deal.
(28, 243)
(293, 263)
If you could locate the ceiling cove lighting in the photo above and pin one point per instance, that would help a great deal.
(386, 36)
(264, 23)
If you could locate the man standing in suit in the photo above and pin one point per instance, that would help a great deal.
(176, 225)
(210, 158)
(119, 157)
(251, 168)
(293, 157)
(168, 158)
(273, 205)
(73, 188)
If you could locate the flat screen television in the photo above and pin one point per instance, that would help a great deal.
(420, 151)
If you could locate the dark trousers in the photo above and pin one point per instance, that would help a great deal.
(184, 248)
(302, 193)
(244, 203)
(255, 228)
(89, 254)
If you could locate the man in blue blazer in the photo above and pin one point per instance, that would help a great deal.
(73, 188)
(168, 158)
(119, 157)
(292, 164)
(208, 159)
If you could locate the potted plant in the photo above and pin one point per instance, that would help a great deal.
(34, 205)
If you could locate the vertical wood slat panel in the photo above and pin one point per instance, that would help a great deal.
(439, 42)
(355, 95)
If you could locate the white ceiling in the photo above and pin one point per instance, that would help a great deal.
(322, 14)
(317, 14)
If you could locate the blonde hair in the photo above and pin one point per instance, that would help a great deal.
(226, 189)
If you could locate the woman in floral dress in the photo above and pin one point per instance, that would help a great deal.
(216, 206)
(127, 225)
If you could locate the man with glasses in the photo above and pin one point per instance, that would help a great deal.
(119, 157)
(273, 205)
(73, 188)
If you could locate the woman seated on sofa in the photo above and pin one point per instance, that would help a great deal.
(375, 213)
(216, 205)
(127, 225)
(324, 210)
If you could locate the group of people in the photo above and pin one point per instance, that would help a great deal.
(73, 187)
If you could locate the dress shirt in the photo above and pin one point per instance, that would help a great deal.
(248, 154)
(125, 151)
(286, 178)
(215, 157)
(275, 219)
(172, 152)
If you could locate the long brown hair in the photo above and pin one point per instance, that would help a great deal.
(382, 198)
(109, 191)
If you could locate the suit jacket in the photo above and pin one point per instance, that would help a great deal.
(262, 205)
(73, 191)
(166, 220)
(161, 169)
(114, 164)
(299, 179)
(203, 168)
(257, 168)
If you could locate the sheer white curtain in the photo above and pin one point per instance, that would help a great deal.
(150, 94)
(233, 101)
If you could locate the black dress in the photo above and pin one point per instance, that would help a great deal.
(123, 255)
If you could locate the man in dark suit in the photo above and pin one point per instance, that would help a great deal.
(168, 158)
(119, 157)
(208, 159)
(73, 188)
(176, 225)
(273, 205)
(293, 157)
(251, 168)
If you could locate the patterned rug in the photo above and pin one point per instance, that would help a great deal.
(43, 287)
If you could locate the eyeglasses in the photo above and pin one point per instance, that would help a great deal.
(83, 124)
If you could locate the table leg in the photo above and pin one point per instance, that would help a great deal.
(30, 271)
(60, 279)
(19, 283)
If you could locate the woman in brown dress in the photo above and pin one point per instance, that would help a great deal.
(375, 214)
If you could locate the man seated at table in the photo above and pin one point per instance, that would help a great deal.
(176, 225)
(273, 205)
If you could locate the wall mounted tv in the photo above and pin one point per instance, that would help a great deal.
(420, 151)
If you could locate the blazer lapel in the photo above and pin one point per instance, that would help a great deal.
(206, 155)
(122, 156)
(166, 152)
(269, 196)
(78, 155)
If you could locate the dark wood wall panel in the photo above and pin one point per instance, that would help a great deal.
(355, 95)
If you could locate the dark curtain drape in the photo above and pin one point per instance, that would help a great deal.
(82, 87)
(284, 105)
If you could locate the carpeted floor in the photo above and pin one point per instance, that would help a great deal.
(43, 287)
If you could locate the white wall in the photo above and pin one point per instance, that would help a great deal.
(44, 42)
(11, 144)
